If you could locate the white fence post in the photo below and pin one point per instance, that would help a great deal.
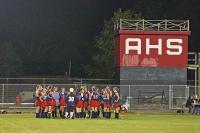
(187, 91)
(129, 95)
(2, 100)
(172, 93)
(170, 97)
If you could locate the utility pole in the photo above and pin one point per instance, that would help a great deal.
(70, 66)
(194, 65)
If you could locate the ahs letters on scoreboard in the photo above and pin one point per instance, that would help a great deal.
(174, 46)
(153, 51)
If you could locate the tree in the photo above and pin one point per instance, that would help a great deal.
(11, 64)
(102, 65)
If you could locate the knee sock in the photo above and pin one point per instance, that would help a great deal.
(37, 115)
(66, 115)
(41, 114)
(109, 114)
(78, 114)
(81, 114)
(117, 115)
(97, 114)
(106, 114)
(45, 114)
(71, 115)
(49, 114)
(84, 114)
(89, 113)
(92, 114)
(61, 113)
(53, 114)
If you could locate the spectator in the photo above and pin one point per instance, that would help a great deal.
(189, 104)
(195, 103)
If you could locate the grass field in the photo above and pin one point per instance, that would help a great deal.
(128, 123)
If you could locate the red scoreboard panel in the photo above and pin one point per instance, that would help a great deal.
(165, 49)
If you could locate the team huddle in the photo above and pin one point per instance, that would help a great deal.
(79, 103)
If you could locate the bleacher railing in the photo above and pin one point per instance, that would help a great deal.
(152, 25)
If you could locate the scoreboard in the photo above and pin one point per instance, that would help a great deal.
(161, 54)
(151, 49)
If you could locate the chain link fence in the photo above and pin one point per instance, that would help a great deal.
(150, 97)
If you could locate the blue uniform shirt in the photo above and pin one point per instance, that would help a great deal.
(56, 96)
(95, 96)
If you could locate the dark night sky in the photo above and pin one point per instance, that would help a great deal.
(46, 33)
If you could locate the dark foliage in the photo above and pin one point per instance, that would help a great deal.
(45, 35)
